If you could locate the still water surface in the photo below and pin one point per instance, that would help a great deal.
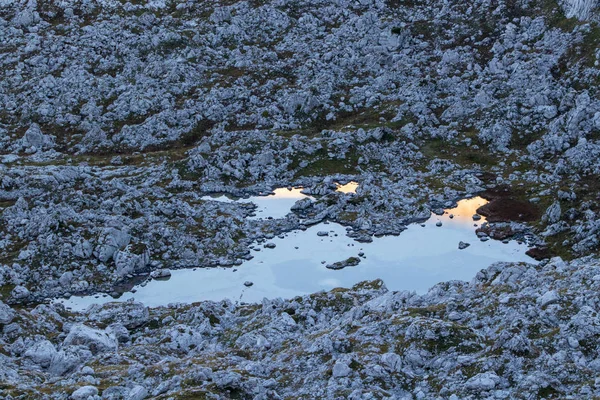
(423, 255)
(275, 205)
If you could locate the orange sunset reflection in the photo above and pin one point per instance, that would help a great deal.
(465, 210)
(349, 187)
(285, 193)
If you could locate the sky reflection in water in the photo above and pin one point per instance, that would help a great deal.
(275, 205)
(416, 260)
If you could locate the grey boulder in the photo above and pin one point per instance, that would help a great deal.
(96, 340)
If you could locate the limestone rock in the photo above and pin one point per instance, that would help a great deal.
(550, 297)
(96, 340)
(110, 242)
(84, 393)
(6, 314)
(41, 353)
(552, 214)
(137, 393)
(482, 382)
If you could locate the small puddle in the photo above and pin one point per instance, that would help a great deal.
(277, 204)
(349, 187)
(417, 259)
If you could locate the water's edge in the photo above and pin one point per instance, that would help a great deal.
(421, 256)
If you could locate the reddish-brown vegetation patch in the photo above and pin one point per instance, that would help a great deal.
(538, 253)
(504, 206)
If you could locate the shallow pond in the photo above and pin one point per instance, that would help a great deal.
(420, 257)
(274, 205)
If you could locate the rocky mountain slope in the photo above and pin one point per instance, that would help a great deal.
(116, 118)
(515, 331)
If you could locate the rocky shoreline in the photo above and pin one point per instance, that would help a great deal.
(509, 333)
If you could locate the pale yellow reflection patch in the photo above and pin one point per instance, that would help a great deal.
(285, 193)
(349, 187)
(465, 210)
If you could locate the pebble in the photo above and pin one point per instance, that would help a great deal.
(161, 273)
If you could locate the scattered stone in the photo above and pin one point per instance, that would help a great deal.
(41, 353)
(6, 314)
(341, 369)
(573, 342)
(36, 140)
(96, 340)
(349, 262)
(302, 204)
(160, 274)
(498, 231)
(483, 382)
(66, 278)
(84, 393)
(538, 253)
(462, 245)
(550, 297)
(130, 314)
(552, 214)
(20, 292)
(137, 393)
